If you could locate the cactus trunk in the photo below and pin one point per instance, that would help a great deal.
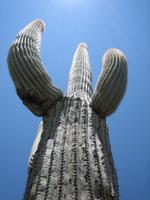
(73, 160)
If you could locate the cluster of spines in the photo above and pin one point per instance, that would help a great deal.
(108, 161)
(38, 171)
(54, 137)
(85, 149)
(98, 189)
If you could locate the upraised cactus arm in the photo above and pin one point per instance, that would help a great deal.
(111, 84)
(31, 80)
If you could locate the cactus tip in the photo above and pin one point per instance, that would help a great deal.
(40, 23)
(83, 45)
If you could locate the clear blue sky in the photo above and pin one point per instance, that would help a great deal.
(102, 24)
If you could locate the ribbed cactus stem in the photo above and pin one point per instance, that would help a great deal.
(111, 84)
(71, 156)
(32, 82)
(80, 76)
(73, 163)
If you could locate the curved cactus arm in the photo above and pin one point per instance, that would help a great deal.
(111, 84)
(35, 145)
(31, 80)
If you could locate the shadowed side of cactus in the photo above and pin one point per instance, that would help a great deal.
(111, 84)
(71, 156)
(32, 82)
(35, 145)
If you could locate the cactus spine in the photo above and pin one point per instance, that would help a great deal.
(71, 157)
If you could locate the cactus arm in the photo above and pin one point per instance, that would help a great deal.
(31, 80)
(111, 84)
(35, 145)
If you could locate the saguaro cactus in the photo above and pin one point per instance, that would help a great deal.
(71, 157)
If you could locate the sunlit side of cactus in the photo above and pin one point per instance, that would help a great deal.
(32, 82)
(71, 156)
(111, 84)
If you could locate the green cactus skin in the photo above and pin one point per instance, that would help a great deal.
(111, 84)
(32, 83)
(80, 76)
(71, 156)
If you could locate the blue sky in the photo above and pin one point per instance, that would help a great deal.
(102, 24)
